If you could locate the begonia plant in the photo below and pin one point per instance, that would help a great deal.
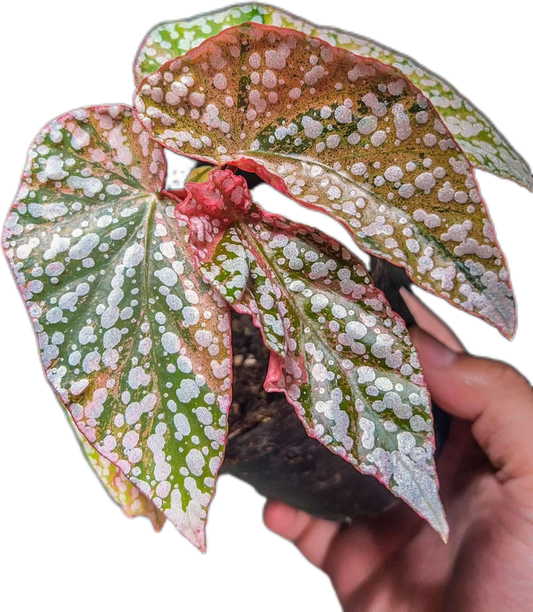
(130, 286)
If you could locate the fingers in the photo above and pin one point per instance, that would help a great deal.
(492, 395)
(349, 555)
(311, 536)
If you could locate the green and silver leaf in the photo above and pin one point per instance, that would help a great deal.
(134, 342)
(345, 135)
(343, 358)
(122, 491)
(479, 139)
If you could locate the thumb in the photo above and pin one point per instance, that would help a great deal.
(496, 398)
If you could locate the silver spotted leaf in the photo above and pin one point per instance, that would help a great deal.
(134, 342)
(122, 491)
(340, 354)
(479, 139)
(345, 135)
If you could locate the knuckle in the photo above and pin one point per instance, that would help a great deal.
(509, 378)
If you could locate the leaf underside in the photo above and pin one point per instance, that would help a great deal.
(134, 342)
(479, 139)
(345, 135)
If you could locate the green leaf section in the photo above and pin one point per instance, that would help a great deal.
(341, 355)
(479, 139)
(134, 342)
(343, 134)
(199, 174)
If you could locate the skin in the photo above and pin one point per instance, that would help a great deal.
(396, 562)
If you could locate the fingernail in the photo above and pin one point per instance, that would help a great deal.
(434, 353)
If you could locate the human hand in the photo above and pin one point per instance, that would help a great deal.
(396, 561)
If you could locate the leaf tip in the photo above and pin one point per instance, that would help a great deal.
(443, 528)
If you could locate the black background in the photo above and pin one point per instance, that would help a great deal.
(62, 523)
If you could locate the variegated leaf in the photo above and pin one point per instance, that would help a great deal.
(479, 139)
(341, 355)
(122, 491)
(134, 342)
(343, 134)
(171, 39)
